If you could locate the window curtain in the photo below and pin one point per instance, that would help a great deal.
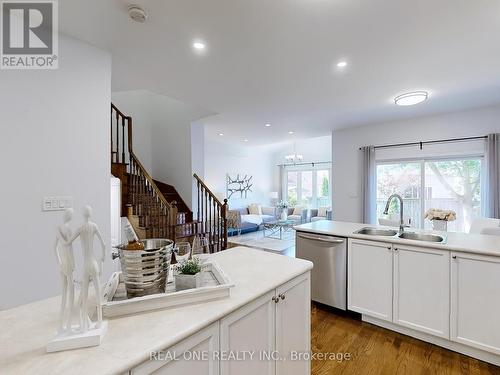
(281, 183)
(493, 175)
(368, 179)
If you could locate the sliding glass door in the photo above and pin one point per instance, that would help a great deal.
(403, 178)
(448, 184)
(308, 187)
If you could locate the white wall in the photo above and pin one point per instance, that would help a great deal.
(55, 132)
(171, 145)
(347, 200)
(197, 160)
(222, 158)
(162, 135)
(136, 104)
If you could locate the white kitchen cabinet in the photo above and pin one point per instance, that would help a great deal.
(273, 325)
(250, 340)
(251, 329)
(475, 301)
(187, 356)
(422, 289)
(369, 278)
(293, 326)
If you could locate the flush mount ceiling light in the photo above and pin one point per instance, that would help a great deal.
(341, 64)
(268, 125)
(245, 140)
(411, 98)
(199, 46)
(290, 132)
(221, 134)
(137, 14)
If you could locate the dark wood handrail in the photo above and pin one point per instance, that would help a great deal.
(155, 213)
(212, 215)
(151, 181)
(197, 178)
(113, 107)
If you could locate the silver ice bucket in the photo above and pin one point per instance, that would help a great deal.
(145, 271)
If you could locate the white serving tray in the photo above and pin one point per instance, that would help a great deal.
(216, 284)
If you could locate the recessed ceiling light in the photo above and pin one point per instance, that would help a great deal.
(290, 132)
(268, 125)
(199, 46)
(221, 134)
(341, 64)
(245, 140)
(411, 98)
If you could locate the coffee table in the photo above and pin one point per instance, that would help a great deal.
(277, 228)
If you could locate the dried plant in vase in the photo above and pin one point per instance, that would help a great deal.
(189, 274)
(440, 218)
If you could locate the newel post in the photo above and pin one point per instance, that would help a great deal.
(173, 220)
(224, 223)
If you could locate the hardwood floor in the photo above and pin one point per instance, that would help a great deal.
(374, 350)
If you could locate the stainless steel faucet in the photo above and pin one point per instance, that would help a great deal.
(386, 211)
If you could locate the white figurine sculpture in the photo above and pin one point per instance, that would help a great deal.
(92, 268)
(64, 254)
(86, 333)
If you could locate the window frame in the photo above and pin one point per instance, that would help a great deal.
(314, 169)
(422, 162)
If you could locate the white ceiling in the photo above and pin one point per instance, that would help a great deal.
(275, 60)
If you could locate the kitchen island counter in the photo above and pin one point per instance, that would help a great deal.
(27, 329)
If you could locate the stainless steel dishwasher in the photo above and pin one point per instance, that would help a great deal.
(329, 275)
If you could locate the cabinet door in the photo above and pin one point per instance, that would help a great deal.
(251, 329)
(188, 356)
(369, 278)
(422, 289)
(475, 301)
(293, 326)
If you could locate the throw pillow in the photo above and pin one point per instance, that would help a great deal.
(255, 209)
(298, 210)
(322, 211)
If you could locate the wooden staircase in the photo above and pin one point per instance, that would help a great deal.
(155, 209)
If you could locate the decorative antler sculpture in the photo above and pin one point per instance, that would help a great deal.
(242, 185)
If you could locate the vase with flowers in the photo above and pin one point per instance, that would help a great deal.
(440, 218)
(282, 207)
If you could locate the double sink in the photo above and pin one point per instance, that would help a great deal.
(405, 235)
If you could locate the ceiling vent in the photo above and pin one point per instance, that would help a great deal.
(137, 14)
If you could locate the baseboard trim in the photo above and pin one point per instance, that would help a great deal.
(451, 345)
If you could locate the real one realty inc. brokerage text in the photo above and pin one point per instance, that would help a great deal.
(247, 355)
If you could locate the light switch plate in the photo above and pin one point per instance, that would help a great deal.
(57, 203)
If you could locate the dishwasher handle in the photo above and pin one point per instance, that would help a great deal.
(321, 239)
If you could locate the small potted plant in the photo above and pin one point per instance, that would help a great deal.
(189, 274)
(283, 207)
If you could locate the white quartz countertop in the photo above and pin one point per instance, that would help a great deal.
(463, 242)
(25, 330)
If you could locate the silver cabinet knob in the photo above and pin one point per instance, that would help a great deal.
(275, 299)
(395, 249)
(282, 296)
(454, 256)
(389, 247)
